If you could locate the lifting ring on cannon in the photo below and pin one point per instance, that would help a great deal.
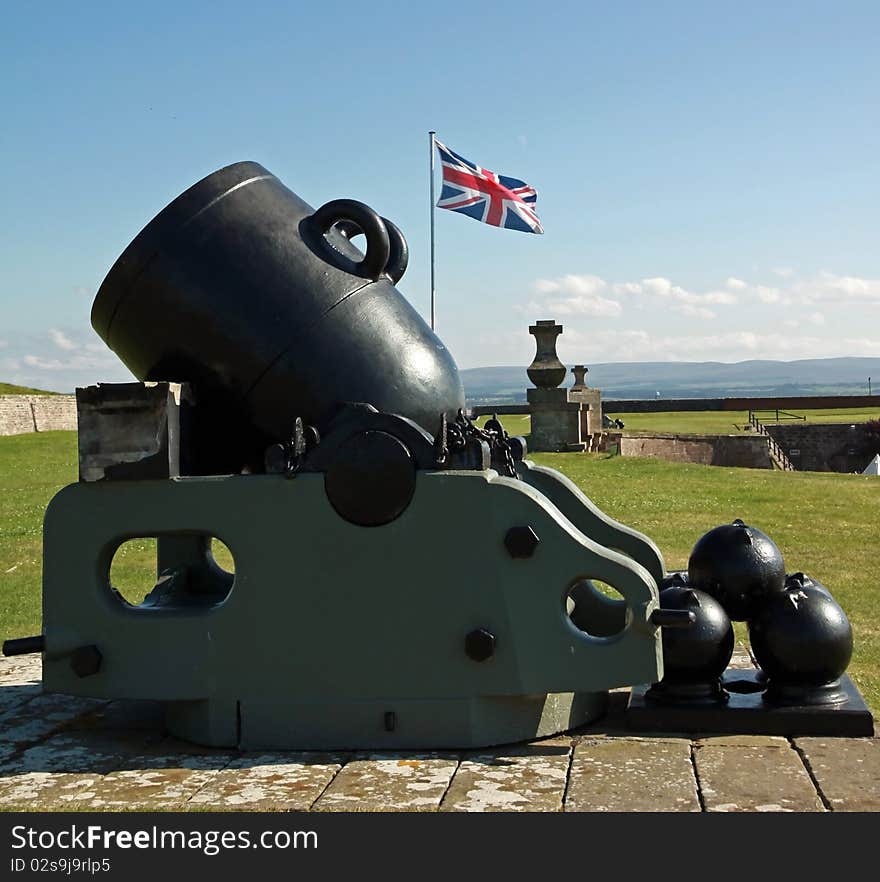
(350, 213)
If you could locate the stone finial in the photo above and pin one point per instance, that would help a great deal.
(579, 371)
(546, 371)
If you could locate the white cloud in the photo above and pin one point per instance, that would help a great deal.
(664, 288)
(719, 297)
(767, 295)
(784, 272)
(660, 286)
(736, 284)
(627, 288)
(700, 312)
(571, 284)
(816, 318)
(61, 340)
(841, 289)
(580, 296)
(585, 305)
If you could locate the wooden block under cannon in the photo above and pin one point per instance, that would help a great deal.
(131, 431)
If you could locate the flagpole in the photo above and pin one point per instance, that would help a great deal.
(431, 148)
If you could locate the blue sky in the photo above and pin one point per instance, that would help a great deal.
(708, 174)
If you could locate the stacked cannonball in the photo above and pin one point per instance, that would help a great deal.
(800, 636)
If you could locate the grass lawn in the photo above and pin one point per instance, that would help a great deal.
(10, 389)
(825, 525)
(514, 424)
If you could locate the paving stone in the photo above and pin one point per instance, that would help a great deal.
(20, 669)
(632, 775)
(43, 715)
(149, 789)
(847, 771)
(531, 780)
(268, 782)
(390, 783)
(14, 695)
(759, 741)
(754, 779)
(123, 714)
(43, 791)
(83, 751)
(741, 660)
(8, 752)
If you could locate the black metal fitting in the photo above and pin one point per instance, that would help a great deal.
(479, 645)
(24, 645)
(86, 660)
(521, 541)
(672, 618)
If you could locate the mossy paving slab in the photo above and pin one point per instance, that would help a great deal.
(268, 782)
(46, 791)
(632, 775)
(149, 789)
(757, 778)
(98, 752)
(390, 783)
(741, 660)
(512, 782)
(847, 771)
(21, 669)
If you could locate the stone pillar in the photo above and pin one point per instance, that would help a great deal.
(591, 399)
(556, 419)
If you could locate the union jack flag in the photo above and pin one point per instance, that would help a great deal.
(486, 197)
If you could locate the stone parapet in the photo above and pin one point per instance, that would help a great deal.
(20, 414)
(737, 451)
(824, 447)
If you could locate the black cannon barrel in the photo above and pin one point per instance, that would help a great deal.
(242, 289)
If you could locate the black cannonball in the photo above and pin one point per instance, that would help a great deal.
(739, 566)
(802, 580)
(801, 637)
(677, 577)
(701, 652)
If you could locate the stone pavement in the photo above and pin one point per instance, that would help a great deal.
(64, 753)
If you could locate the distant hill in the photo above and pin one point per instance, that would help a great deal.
(709, 379)
(10, 389)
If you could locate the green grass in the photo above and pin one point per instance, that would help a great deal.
(514, 424)
(722, 422)
(10, 389)
(825, 525)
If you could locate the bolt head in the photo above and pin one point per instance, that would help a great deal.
(521, 541)
(86, 661)
(479, 645)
